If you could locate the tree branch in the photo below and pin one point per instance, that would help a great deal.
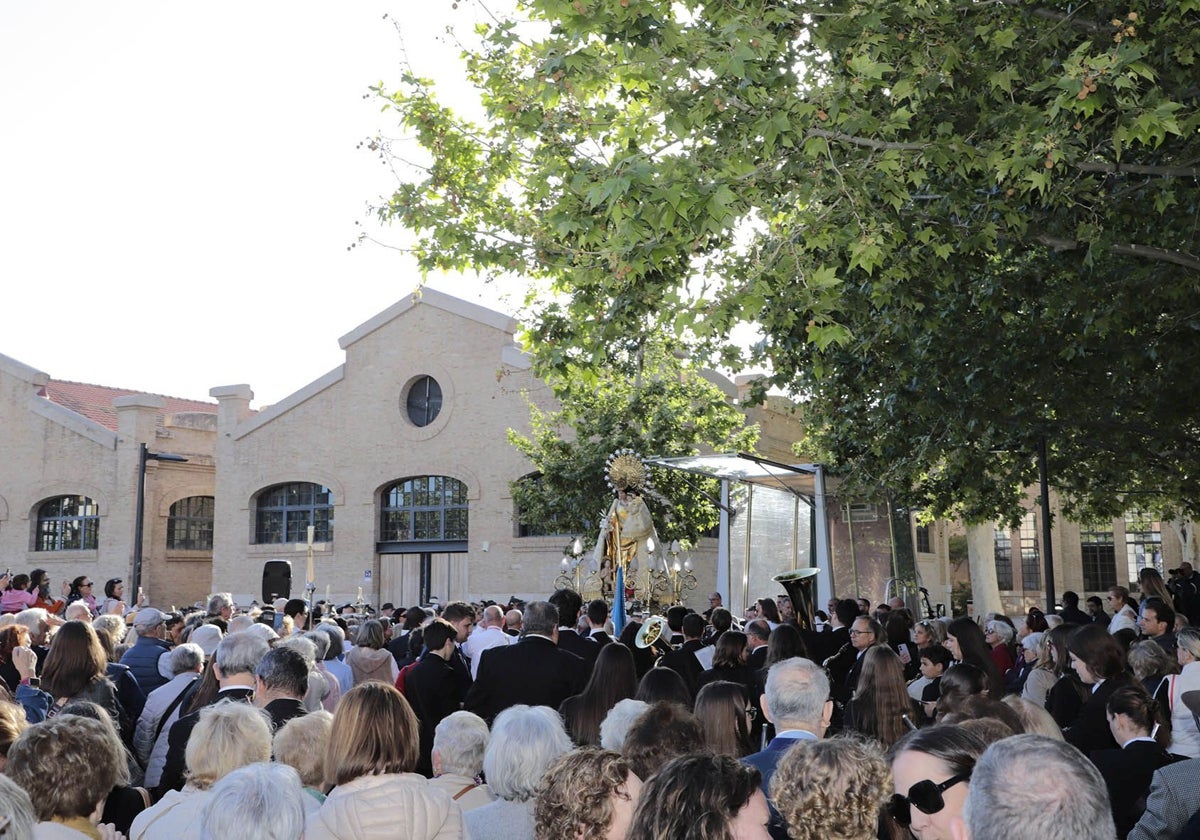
(1137, 169)
(1059, 17)
(1183, 258)
(866, 142)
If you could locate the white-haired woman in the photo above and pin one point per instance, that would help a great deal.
(163, 707)
(1185, 711)
(302, 745)
(261, 800)
(525, 741)
(228, 735)
(999, 636)
(1043, 676)
(459, 742)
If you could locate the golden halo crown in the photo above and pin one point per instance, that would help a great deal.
(626, 471)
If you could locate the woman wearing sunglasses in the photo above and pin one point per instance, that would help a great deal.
(931, 772)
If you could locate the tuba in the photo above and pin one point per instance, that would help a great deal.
(801, 587)
(654, 634)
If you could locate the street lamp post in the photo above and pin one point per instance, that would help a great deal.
(1047, 549)
(144, 455)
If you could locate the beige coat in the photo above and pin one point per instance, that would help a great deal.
(386, 807)
(370, 664)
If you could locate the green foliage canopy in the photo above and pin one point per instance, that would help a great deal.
(958, 225)
(649, 401)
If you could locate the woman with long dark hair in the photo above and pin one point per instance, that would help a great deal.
(81, 590)
(897, 631)
(1065, 697)
(1099, 660)
(614, 678)
(729, 662)
(768, 609)
(75, 670)
(643, 658)
(663, 684)
(725, 714)
(966, 644)
(881, 707)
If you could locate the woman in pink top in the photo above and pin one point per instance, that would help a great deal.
(15, 598)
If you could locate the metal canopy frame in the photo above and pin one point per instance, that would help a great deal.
(805, 481)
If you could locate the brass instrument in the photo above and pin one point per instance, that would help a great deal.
(801, 587)
(654, 633)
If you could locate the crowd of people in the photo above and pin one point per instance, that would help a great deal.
(532, 722)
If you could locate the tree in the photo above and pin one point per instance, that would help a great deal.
(648, 400)
(959, 227)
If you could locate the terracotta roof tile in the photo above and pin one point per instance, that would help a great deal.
(95, 401)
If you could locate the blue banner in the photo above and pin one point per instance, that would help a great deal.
(618, 610)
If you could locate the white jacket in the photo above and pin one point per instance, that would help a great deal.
(174, 817)
(152, 752)
(384, 808)
(1185, 736)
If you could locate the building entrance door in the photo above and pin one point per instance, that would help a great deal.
(408, 579)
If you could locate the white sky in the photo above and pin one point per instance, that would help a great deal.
(180, 183)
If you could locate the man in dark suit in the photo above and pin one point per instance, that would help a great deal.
(684, 661)
(234, 664)
(431, 688)
(846, 665)
(280, 683)
(569, 604)
(534, 671)
(796, 701)
(758, 634)
(462, 616)
(597, 614)
(674, 618)
(838, 634)
(1158, 623)
(1070, 612)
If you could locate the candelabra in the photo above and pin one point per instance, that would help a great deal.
(680, 576)
(655, 580)
(572, 567)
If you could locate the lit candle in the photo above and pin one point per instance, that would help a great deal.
(650, 545)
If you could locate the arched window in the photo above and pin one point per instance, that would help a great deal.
(286, 510)
(68, 523)
(431, 508)
(190, 524)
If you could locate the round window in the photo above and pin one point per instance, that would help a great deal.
(424, 402)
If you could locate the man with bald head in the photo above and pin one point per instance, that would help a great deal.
(488, 633)
(534, 671)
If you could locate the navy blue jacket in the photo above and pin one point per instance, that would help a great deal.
(142, 660)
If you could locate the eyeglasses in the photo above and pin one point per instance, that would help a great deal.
(862, 633)
(82, 585)
(925, 796)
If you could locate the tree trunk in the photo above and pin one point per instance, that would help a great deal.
(1185, 530)
(981, 560)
